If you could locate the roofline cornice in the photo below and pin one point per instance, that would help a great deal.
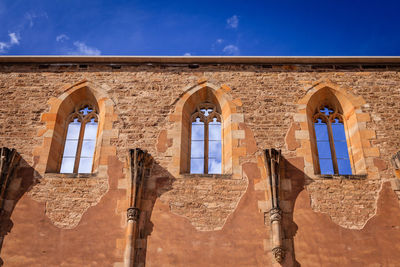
(203, 59)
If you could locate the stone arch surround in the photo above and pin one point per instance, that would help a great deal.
(198, 197)
(59, 190)
(337, 196)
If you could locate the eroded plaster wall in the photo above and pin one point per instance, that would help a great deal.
(191, 222)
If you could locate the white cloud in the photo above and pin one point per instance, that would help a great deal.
(31, 16)
(231, 50)
(83, 49)
(14, 39)
(233, 22)
(3, 47)
(217, 45)
(187, 54)
(62, 38)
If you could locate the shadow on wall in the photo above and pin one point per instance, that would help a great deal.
(157, 184)
(161, 181)
(16, 177)
(294, 174)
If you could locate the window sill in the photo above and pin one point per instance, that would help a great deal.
(344, 176)
(208, 176)
(70, 175)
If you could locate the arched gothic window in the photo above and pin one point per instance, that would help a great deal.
(80, 141)
(206, 149)
(333, 155)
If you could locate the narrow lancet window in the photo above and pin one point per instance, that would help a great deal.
(71, 146)
(206, 149)
(214, 146)
(197, 147)
(80, 141)
(333, 155)
(342, 153)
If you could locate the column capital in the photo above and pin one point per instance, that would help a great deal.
(132, 214)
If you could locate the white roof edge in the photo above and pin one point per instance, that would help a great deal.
(205, 59)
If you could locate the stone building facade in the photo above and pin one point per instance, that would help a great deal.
(140, 205)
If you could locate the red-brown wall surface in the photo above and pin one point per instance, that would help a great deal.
(200, 221)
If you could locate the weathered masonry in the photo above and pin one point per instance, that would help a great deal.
(199, 161)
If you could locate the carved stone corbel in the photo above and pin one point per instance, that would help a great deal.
(272, 163)
(132, 214)
(275, 214)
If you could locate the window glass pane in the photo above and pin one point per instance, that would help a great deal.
(214, 149)
(85, 165)
(321, 130)
(341, 150)
(214, 131)
(214, 166)
(326, 166)
(196, 165)
(344, 166)
(197, 149)
(70, 148)
(324, 150)
(90, 130)
(338, 131)
(197, 131)
(88, 149)
(74, 129)
(67, 165)
(342, 153)
(323, 146)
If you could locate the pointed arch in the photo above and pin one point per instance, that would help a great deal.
(205, 92)
(80, 94)
(348, 107)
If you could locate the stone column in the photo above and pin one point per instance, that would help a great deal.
(9, 161)
(132, 220)
(140, 165)
(396, 163)
(272, 163)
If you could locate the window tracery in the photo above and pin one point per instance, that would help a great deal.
(206, 141)
(332, 149)
(80, 140)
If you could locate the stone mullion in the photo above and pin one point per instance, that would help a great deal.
(79, 148)
(332, 146)
(206, 144)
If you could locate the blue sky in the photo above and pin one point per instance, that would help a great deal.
(200, 28)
